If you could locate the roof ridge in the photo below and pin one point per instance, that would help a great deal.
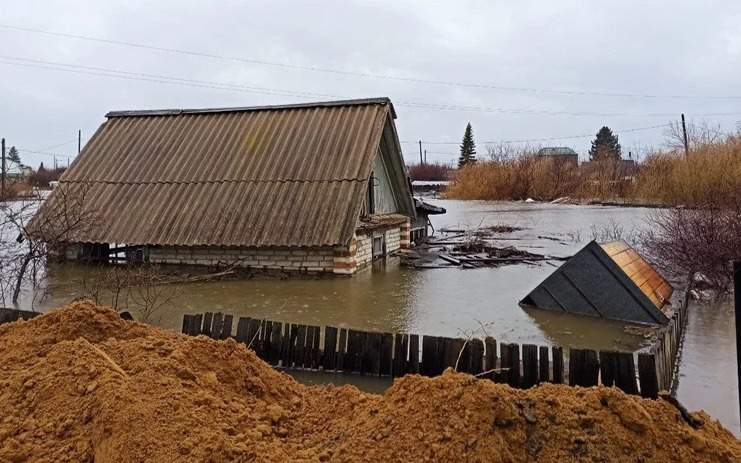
(225, 180)
(317, 104)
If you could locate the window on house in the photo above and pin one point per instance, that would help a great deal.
(379, 246)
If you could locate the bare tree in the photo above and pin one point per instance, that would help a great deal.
(149, 292)
(30, 239)
(687, 241)
(698, 134)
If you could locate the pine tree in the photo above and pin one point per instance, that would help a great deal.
(605, 146)
(14, 157)
(468, 148)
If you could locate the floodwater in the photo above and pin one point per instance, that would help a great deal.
(459, 302)
(443, 302)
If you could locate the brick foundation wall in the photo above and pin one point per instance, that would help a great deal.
(289, 259)
(406, 235)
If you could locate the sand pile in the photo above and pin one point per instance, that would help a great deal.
(79, 384)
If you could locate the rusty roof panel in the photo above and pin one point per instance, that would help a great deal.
(270, 176)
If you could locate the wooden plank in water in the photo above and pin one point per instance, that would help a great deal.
(226, 330)
(490, 360)
(387, 354)
(591, 368)
(317, 348)
(253, 330)
(557, 364)
(309, 347)
(543, 365)
(505, 363)
(207, 318)
(217, 325)
(429, 355)
(371, 360)
(286, 350)
(341, 350)
(399, 357)
(576, 365)
(413, 362)
(241, 335)
(476, 357)
(626, 373)
(529, 365)
(355, 346)
(647, 376)
(514, 374)
(197, 322)
(608, 367)
(276, 342)
(329, 357)
(187, 322)
(298, 350)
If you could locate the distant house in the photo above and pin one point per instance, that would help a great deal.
(316, 187)
(560, 154)
(18, 173)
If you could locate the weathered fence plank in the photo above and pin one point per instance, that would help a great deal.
(608, 367)
(557, 364)
(490, 360)
(387, 354)
(626, 373)
(529, 365)
(647, 376)
(413, 362)
(543, 373)
(329, 357)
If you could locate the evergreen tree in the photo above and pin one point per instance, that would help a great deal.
(13, 156)
(605, 146)
(468, 148)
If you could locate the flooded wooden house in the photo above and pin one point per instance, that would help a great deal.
(316, 187)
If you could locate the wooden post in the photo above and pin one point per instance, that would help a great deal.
(505, 363)
(608, 367)
(684, 134)
(387, 354)
(476, 357)
(626, 374)
(421, 161)
(342, 350)
(207, 324)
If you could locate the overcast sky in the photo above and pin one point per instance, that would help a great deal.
(516, 70)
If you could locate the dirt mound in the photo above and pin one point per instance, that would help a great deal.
(79, 384)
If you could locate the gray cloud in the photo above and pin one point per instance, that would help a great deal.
(656, 48)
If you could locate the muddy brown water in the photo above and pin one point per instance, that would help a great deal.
(456, 302)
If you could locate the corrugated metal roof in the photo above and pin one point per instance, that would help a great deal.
(291, 175)
(595, 283)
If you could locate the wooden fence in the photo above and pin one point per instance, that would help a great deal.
(667, 347)
(331, 349)
(11, 315)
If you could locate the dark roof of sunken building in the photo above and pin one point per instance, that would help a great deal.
(610, 281)
(290, 175)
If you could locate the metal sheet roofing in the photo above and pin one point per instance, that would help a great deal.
(605, 281)
(291, 175)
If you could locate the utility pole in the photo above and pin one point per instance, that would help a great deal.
(425, 156)
(421, 161)
(55, 161)
(79, 142)
(2, 191)
(737, 303)
(684, 134)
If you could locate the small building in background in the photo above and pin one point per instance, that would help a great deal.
(314, 187)
(560, 154)
(610, 281)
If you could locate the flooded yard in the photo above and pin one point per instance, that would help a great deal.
(455, 301)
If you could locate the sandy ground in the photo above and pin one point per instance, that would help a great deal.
(79, 384)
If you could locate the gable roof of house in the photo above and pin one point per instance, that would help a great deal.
(291, 175)
(609, 281)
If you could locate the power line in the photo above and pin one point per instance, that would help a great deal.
(320, 69)
(162, 79)
(532, 140)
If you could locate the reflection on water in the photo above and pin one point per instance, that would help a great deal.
(707, 367)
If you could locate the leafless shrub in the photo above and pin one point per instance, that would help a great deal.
(30, 239)
(698, 134)
(687, 241)
(149, 292)
(614, 231)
